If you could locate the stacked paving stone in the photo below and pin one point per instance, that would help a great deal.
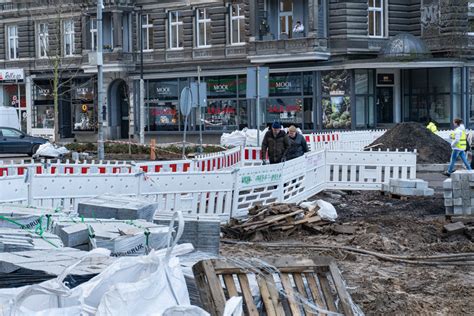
(123, 238)
(117, 207)
(202, 231)
(408, 187)
(12, 240)
(458, 193)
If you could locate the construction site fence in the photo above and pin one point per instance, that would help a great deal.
(226, 192)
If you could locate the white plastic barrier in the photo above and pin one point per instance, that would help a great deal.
(224, 193)
(367, 170)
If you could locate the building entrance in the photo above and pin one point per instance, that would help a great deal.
(384, 105)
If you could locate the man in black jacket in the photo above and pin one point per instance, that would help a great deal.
(276, 143)
(298, 145)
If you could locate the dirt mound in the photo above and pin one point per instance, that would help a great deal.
(430, 147)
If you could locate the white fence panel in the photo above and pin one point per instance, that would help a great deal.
(14, 189)
(191, 193)
(367, 170)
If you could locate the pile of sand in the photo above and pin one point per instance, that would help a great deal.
(430, 147)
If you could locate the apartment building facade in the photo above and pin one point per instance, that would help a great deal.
(333, 64)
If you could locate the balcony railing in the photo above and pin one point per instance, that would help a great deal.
(287, 46)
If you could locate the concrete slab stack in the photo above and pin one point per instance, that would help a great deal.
(122, 238)
(27, 218)
(12, 240)
(408, 187)
(117, 207)
(202, 231)
(459, 193)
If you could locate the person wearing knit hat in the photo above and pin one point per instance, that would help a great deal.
(275, 144)
(298, 145)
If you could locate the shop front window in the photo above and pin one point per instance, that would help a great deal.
(336, 101)
(43, 106)
(283, 85)
(218, 87)
(221, 115)
(84, 110)
(471, 94)
(288, 111)
(428, 96)
(364, 101)
(163, 116)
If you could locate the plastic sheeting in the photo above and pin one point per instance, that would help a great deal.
(51, 151)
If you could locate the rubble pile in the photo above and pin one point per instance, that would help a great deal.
(276, 218)
(410, 135)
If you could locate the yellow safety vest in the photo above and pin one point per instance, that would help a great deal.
(432, 127)
(462, 144)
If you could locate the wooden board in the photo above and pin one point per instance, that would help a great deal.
(290, 297)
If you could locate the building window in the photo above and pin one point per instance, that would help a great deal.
(236, 25)
(175, 31)
(43, 40)
(12, 42)
(69, 38)
(147, 33)
(203, 28)
(376, 18)
(93, 31)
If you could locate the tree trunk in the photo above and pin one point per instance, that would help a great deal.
(56, 98)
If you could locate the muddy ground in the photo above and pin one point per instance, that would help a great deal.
(389, 226)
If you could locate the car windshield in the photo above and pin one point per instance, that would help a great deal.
(7, 132)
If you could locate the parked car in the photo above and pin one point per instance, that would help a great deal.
(13, 141)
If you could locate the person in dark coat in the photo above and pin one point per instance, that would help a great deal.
(276, 143)
(298, 145)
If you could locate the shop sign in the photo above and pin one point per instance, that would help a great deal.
(163, 90)
(385, 79)
(284, 108)
(84, 93)
(337, 92)
(163, 111)
(11, 75)
(215, 110)
(44, 92)
(222, 86)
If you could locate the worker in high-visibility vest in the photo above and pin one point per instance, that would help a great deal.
(432, 127)
(458, 146)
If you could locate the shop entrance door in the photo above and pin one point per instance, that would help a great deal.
(384, 105)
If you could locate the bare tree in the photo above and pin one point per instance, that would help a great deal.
(55, 23)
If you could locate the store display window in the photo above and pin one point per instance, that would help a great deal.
(336, 101)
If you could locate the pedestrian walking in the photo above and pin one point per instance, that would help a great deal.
(458, 146)
(298, 145)
(275, 143)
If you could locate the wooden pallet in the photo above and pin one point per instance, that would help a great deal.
(218, 280)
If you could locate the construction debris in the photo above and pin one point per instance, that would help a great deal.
(414, 136)
(277, 218)
(117, 207)
(454, 228)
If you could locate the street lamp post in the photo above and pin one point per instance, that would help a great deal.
(142, 85)
(100, 83)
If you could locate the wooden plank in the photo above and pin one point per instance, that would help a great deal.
(308, 220)
(341, 290)
(230, 285)
(247, 294)
(302, 291)
(275, 295)
(215, 287)
(323, 281)
(285, 282)
(266, 297)
(206, 291)
(313, 286)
